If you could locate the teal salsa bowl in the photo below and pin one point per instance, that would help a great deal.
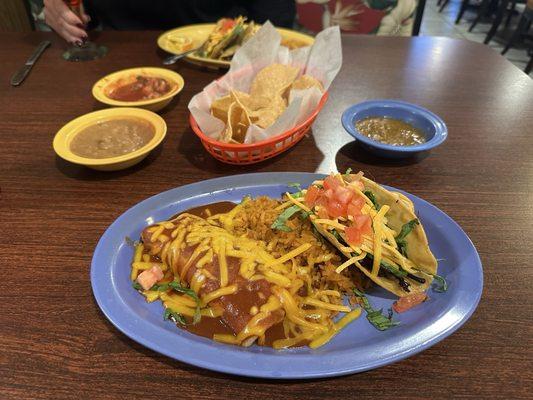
(429, 123)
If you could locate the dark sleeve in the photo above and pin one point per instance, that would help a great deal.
(280, 12)
(166, 14)
(89, 10)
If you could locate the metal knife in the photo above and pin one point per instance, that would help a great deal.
(21, 74)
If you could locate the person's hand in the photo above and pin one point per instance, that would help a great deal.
(66, 23)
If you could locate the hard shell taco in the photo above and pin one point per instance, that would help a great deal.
(374, 228)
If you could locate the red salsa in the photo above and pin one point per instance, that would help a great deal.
(142, 88)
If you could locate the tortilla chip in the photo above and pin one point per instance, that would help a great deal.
(266, 116)
(285, 92)
(259, 102)
(238, 123)
(273, 79)
(220, 108)
(227, 133)
(263, 106)
(293, 43)
(243, 99)
(305, 82)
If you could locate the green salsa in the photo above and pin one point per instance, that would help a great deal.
(390, 131)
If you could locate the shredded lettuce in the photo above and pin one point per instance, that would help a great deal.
(176, 286)
(174, 316)
(280, 223)
(372, 198)
(130, 242)
(375, 317)
(397, 272)
(348, 172)
(160, 287)
(295, 185)
(440, 284)
(298, 187)
(400, 239)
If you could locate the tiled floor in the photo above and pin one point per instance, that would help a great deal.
(443, 24)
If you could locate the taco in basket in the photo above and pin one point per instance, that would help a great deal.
(374, 228)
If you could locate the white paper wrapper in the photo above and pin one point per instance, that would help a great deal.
(323, 61)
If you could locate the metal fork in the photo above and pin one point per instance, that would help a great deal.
(175, 57)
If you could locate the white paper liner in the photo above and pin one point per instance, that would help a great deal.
(323, 61)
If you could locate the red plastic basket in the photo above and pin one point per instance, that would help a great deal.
(243, 154)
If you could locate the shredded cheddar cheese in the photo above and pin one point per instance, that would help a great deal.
(204, 256)
(325, 305)
(349, 262)
(378, 234)
(290, 255)
(339, 325)
(219, 293)
(296, 202)
(223, 264)
(157, 232)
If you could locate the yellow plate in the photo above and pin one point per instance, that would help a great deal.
(175, 79)
(64, 136)
(199, 34)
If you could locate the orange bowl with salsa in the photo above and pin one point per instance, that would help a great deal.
(145, 87)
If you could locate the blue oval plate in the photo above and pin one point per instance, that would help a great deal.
(357, 348)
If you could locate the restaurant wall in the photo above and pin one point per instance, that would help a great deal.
(380, 17)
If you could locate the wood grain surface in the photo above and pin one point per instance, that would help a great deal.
(56, 344)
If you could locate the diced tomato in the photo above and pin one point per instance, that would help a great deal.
(354, 208)
(149, 277)
(353, 235)
(158, 272)
(335, 198)
(363, 223)
(361, 226)
(322, 200)
(355, 179)
(407, 302)
(335, 209)
(228, 24)
(329, 193)
(344, 195)
(322, 213)
(331, 182)
(359, 184)
(311, 196)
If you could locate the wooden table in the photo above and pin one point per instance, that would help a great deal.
(55, 343)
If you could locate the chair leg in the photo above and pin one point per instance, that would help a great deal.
(522, 24)
(510, 14)
(444, 4)
(483, 8)
(497, 21)
(464, 6)
(438, 2)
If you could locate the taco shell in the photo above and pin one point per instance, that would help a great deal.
(420, 260)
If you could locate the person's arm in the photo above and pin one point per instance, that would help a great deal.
(66, 23)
